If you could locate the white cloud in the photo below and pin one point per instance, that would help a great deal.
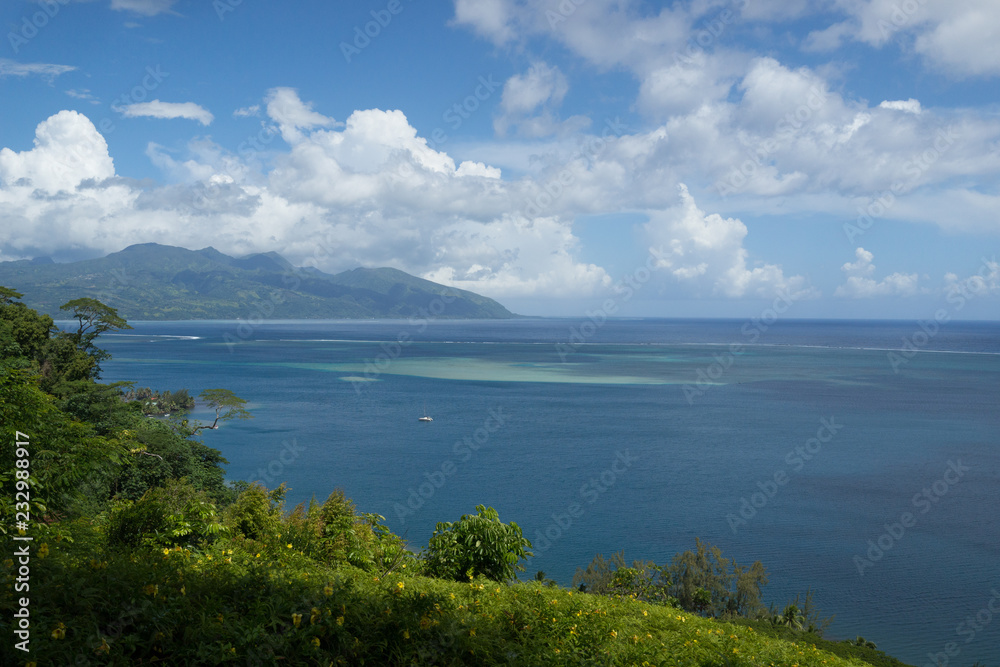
(45, 70)
(83, 94)
(490, 18)
(965, 38)
(985, 282)
(293, 115)
(68, 150)
(158, 109)
(959, 36)
(541, 84)
(909, 106)
(247, 112)
(706, 254)
(685, 85)
(530, 101)
(371, 193)
(144, 7)
(860, 284)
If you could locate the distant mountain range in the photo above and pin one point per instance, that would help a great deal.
(158, 282)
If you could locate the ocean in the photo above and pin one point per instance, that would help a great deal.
(856, 459)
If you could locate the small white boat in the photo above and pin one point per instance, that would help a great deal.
(425, 418)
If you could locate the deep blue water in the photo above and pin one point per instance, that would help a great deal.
(620, 427)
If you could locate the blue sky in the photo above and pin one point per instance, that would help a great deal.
(840, 154)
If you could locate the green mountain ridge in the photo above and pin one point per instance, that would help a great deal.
(150, 281)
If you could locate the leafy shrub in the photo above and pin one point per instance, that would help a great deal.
(477, 545)
(176, 514)
(256, 512)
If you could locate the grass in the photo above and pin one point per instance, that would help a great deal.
(242, 602)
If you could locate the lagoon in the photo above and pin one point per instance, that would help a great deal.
(872, 479)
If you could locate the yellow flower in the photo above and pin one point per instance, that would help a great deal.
(472, 632)
(400, 585)
(59, 632)
(645, 613)
(314, 616)
(103, 648)
(183, 590)
(43, 550)
(614, 633)
(166, 552)
(328, 590)
(406, 634)
(340, 620)
(315, 642)
(296, 619)
(151, 589)
(289, 545)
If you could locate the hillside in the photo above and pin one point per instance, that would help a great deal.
(138, 551)
(157, 282)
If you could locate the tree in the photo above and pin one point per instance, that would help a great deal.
(8, 296)
(227, 406)
(477, 544)
(94, 319)
(792, 617)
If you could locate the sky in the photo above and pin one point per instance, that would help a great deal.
(706, 158)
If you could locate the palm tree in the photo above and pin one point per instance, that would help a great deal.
(792, 617)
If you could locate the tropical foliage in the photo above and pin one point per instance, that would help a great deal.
(142, 553)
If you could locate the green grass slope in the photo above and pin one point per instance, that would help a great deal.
(248, 603)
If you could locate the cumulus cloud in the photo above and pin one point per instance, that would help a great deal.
(158, 109)
(530, 102)
(705, 253)
(490, 18)
(293, 115)
(68, 150)
(958, 36)
(861, 285)
(368, 192)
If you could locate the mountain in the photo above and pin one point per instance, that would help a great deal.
(158, 282)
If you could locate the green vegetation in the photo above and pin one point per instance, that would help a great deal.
(143, 554)
(155, 403)
(157, 282)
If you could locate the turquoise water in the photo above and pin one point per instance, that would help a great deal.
(642, 437)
